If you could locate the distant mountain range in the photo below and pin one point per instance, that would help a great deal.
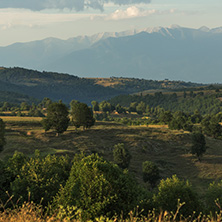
(174, 53)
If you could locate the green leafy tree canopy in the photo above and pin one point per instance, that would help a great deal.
(121, 155)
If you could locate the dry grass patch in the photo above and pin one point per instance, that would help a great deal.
(9, 119)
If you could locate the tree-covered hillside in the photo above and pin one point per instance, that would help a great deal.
(206, 101)
(68, 87)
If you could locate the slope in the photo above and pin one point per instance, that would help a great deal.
(68, 87)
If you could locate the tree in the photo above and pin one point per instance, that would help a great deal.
(141, 108)
(57, 117)
(42, 177)
(120, 109)
(24, 106)
(133, 106)
(2, 135)
(5, 179)
(212, 127)
(6, 106)
(106, 106)
(198, 145)
(81, 115)
(98, 188)
(46, 124)
(121, 155)
(165, 117)
(46, 102)
(95, 105)
(213, 196)
(151, 173)
(173, 189)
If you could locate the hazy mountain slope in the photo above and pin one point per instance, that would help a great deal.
(37, 54)
(175, 53)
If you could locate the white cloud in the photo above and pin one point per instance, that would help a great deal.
(130, 12)
(136, 12)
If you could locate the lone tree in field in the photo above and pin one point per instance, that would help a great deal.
(199, 145)
(57, 118)
(151, 173)
(121, 155)
(81, 115)
(2, 135)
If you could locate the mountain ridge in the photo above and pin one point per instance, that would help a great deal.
(192, 54)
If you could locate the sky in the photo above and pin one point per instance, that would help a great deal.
(29, 20)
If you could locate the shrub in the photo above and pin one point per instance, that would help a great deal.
(214, 197)
(2, 135)
(150, 173)
(41, 178)
(121, 155)
(173, 189)
(98, 187)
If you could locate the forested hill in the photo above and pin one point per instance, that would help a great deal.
(68, 87)
(207, 100)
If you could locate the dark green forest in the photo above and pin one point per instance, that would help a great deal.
(66, 87)
(189, 102)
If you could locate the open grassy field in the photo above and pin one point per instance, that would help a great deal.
(11, 119)
(168, 149)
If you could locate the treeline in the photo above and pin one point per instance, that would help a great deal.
(142, 114)
(35, 109)
(189, 102)
(89, 187)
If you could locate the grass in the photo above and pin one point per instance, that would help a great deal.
(168, 149)
(12, 119)
(30, 212)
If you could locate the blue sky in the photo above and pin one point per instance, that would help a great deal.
(28, 20)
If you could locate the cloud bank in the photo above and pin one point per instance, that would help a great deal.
(78, 5)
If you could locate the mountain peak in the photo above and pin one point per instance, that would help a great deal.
(174, 26)
(204, 29)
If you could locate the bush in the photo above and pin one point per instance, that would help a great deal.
(2, 135)
(150, 173)
(121, 155)
(41, 178)
(173, 189)
(98, 187)
(214, 197)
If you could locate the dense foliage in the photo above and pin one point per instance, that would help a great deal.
(90, 187)
(37, 178)
(121, 155)
(57, 118)
(198, 145)
(172, 190)
(81, 115)
(151, 173)
(98, 187)
(206, 104)
(2, 135)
